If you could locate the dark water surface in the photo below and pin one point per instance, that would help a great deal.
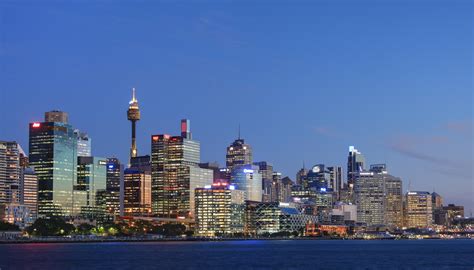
(230, 255)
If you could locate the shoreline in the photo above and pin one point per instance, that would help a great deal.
(118, 240)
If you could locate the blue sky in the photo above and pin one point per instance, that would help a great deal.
(304, 81)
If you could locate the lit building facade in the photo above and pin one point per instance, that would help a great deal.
(419, 212)
(267, 218)
(394, 202)
(10, 190)
(29, 184)
(335, 180)
(137, 192)
(15, 213)
(248, 179)
(238, 154)
(355, 164)
(369, 190)
(219, 210)
(91, 182)
(114, 186)
(84, 144)
(266, 170)
(318, 178)
(53, 155)
(176, 173)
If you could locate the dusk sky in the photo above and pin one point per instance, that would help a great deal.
(304, 81)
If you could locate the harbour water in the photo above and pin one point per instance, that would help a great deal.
(251, 254)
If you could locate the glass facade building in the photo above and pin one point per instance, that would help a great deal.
(355, 164)
(91, 182)
(53, 154)
(176, 173)
(114, 186)
(219, 210)
(266, 169)
(84, 144)
(248, 179)
(318, 178)
(267, 218)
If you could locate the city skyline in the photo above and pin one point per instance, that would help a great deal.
(421, 141)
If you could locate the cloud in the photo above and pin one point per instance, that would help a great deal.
(410, 146)
(459, 127)
(327, 132)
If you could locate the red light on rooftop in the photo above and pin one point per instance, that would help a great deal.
(156, 138)
(36, 125)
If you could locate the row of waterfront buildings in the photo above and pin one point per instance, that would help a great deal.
(60, 177)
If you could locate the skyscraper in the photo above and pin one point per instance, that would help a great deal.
(137, 192)
(301, 176)
(335, 179)
(114, 185)
(133, 115)
(90, 185)
(419, 212)
(53, 154)
(176, 173)
(266, 169)
(10, 172)
(29, 184)
(394, 202)
(318, 178)
(84, 144)
(369, 190)
(355, 164)
(238, 153)
(248, 179)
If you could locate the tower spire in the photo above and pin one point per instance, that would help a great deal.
(133, 95)
(239, 131)
(133, 115)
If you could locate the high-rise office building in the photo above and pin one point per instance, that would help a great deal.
(266, 169)
(419, 211)
(394, 202)
(90, 185)
(176, 173)
(219, 210)
(436, 200)
(29, 187)
(84, 144)
(369, 190)
(284, 190)
(276, 183)
(355, 164)
(238, 153)
(10, 172)
(248, 179)
(53, 154)
(56, 116)
(137, 192)
(114, 186)
(318, 178)
(335, 180)
(133, 115)
(301, 176)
